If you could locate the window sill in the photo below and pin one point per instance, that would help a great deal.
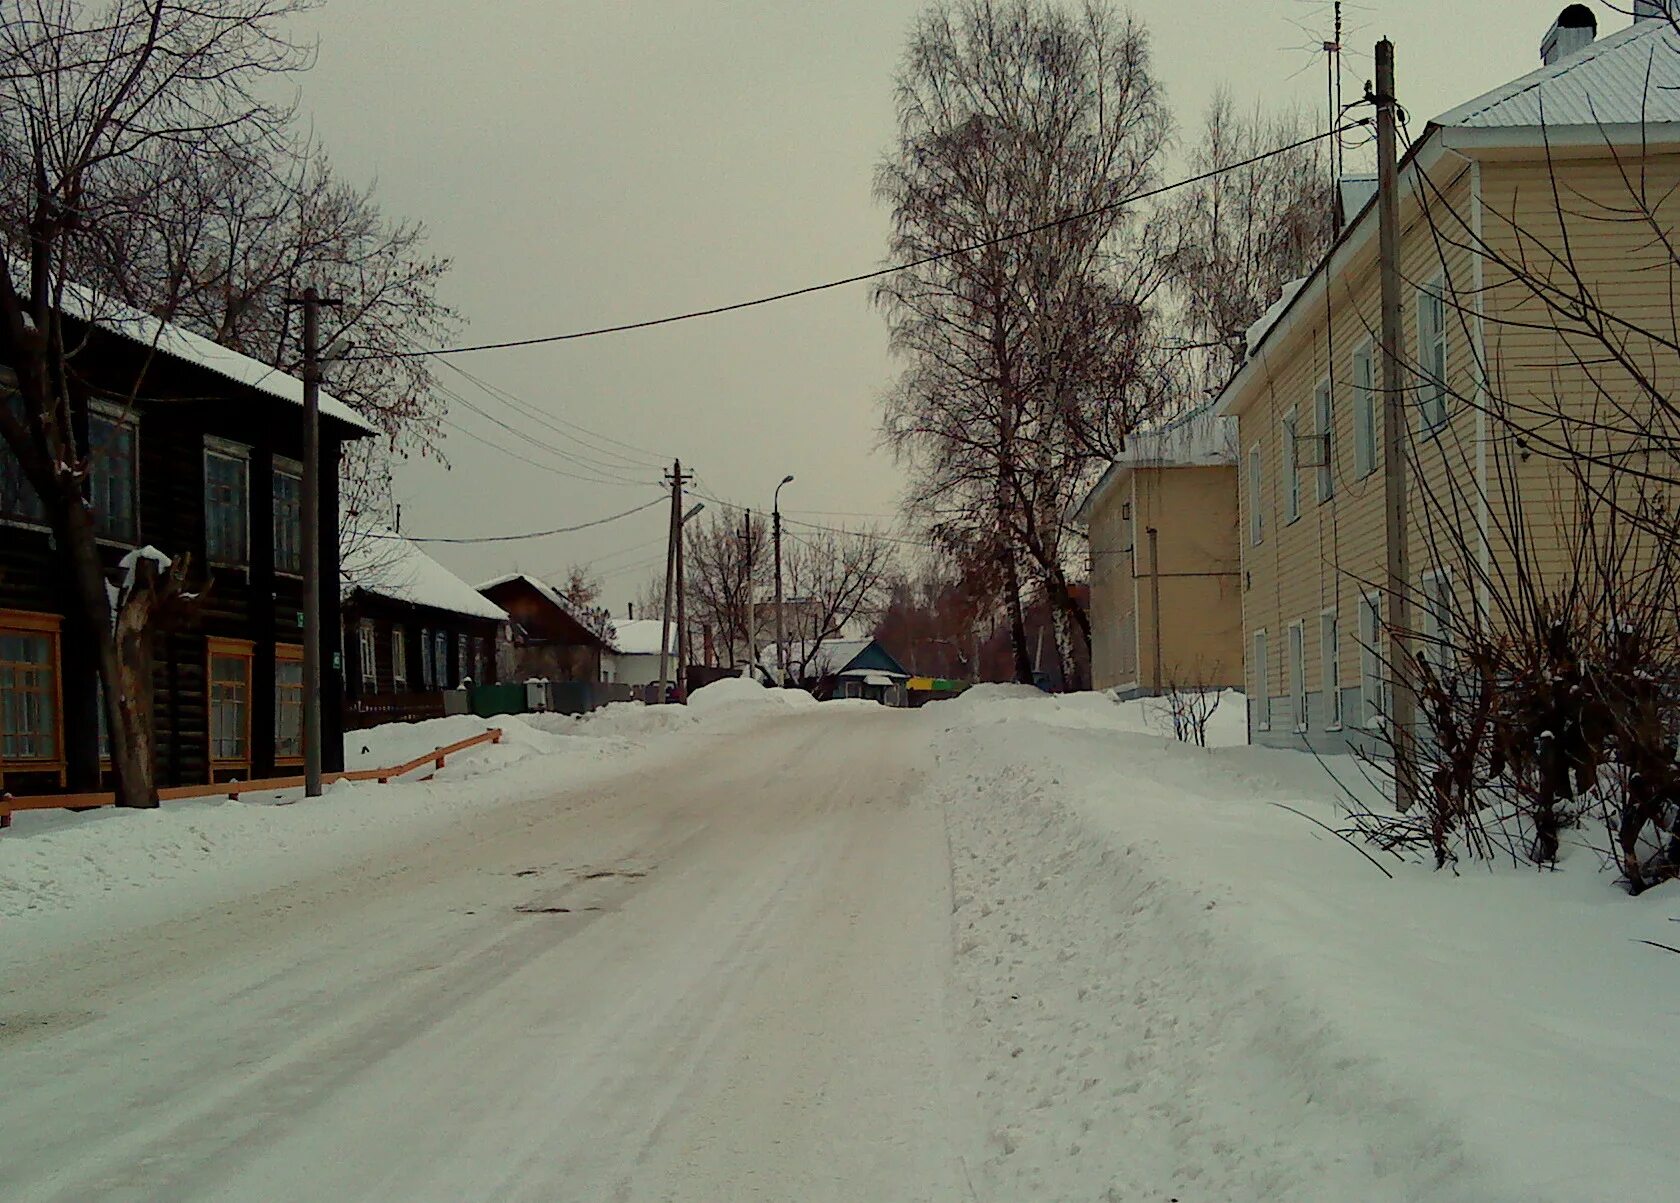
(1333, 727)
(1292, 521)
(289, 574)
(26, 524)
(1300, 730)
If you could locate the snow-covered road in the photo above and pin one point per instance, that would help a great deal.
(720, 977)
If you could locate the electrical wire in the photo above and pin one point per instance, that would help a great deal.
(879, 273)
(536, 534)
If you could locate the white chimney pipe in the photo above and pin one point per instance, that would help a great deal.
(1571, 33)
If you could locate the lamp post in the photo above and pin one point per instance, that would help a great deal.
(776, 533)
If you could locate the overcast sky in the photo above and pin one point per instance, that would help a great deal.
(587, 163)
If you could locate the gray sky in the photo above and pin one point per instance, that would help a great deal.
(588, 163)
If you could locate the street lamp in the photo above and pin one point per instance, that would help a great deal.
(776, 529)
(684, 652)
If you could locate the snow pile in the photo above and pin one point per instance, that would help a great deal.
(1227, 727)
(737, 694)
(1173, 989)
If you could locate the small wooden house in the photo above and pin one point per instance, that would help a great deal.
(857, 668)
(553, 639)
(412, 629)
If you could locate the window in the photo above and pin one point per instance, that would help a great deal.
(288, 516)
(440, 657)
(463, 659)
(226, 526)
(230, 703)
(1324, 441)
(288, 702)
(18, 499)
(1432, 355)
(1435, 620)
(1256, 522)
(399, 659)
(1330, 668)
(428, 672)
(367, 651)
(483, 645)
(114, 473)
(1365, 423)
(1372, 702)
(29, 692)
(1298, 673)
(1291, 469)
(1262, 685)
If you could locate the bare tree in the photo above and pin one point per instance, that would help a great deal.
(838, 582)
(717, 559)
(582, 587)
(1022, 353)
(1233, 240)
(104, 107)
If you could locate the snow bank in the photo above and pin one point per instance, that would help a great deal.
(1227, 726)
(736, 693)
(1176, 989)
(66, 869)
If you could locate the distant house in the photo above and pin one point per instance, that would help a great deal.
(634, 659)
(412, 629)
(1166, 597)
(553, 638)
(854, 668)
(192, 449)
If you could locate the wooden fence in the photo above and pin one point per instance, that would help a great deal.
(232, 789)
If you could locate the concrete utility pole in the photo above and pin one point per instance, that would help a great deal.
(1394, 430)
(676, 481)
(781, 627)
(311, 301)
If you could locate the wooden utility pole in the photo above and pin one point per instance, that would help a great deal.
(1155, 606)
(676, 482)
(781, 625)
(681, 690)
(752, 610)
(1394, 431)
(311, 301)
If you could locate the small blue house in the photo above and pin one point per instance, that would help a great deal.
(857, 668)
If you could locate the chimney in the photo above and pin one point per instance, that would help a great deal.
(1571, 33)
(630, 611)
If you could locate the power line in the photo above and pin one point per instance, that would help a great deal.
(604, 473)
(495, 446)
(878, 273)
(536, 534)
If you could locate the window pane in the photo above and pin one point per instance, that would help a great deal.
(229, 699)
(28, 697)
(399, 658)
(224, 508)
(111, 445)
(288, 708)
(18, 498)
(288, 521)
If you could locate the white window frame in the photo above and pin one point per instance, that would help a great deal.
(1324, 439)
(440, 658)
(124, 416)
(399, 659)
(1291, 468)
(463, 657)
(1256, 481)
(293, 469)
(1435, 618)
(1263, 688)
(1330, 666)
(1367, 422)
(428, 670)
(367, 643)
(1297, 670)
(227, 449)
(1373, 682)
(1432, 348)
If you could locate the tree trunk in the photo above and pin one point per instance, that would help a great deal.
(1017, 618)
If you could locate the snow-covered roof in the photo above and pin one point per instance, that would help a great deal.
(1200, 438)
(109, 314)
(641, 636)
(387, 565)
(1628, 77)
(1264, 322)
(594, 621)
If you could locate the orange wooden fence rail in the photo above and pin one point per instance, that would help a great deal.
(232, 789)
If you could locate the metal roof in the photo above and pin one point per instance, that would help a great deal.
(1628, 77)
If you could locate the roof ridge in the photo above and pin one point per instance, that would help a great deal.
(1548, 73)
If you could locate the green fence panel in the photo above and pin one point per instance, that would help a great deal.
(491, 700)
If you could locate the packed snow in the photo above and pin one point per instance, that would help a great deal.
(1010, 946)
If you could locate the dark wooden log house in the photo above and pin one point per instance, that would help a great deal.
(192, 449)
